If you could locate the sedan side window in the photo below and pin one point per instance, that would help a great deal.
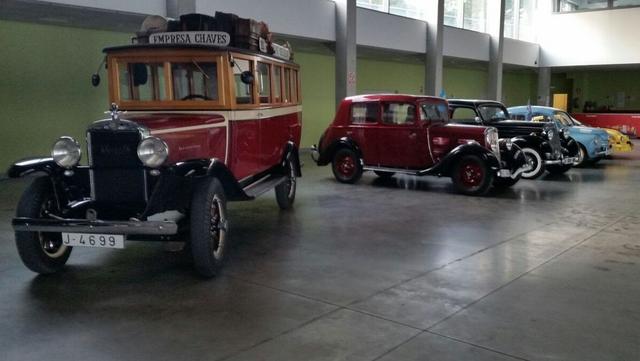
(464, 115)
(365, 113)
(398, 113)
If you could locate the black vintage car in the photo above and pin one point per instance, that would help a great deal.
(546, 147)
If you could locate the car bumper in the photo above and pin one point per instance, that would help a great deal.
(603, 153)
(622, 147)
(508, 173)
(562, 161)
(513, 163)
(152, 228)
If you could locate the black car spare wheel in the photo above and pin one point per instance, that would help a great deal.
(208, 227)
(471, 175)
(286, 191)
(41, 252)
(346, 166)
(536, 165)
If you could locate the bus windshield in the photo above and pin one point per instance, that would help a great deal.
(189, 80)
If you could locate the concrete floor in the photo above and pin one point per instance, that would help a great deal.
(398, 270)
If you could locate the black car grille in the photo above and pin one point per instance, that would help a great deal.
(117, 175)
(553, 135)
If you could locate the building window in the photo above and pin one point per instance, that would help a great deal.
(466, 14)
(619, 3)
(415, 9)
(518, 19)
(580, 5)
(379, 5)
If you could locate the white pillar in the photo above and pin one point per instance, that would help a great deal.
(544, 86)
(346, 49)
(433, 64)
(495, 28)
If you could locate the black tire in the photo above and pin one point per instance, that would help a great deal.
(558, 169)
(384, 175)
(346, 166)
(41, 252)
(583, 157)
(286, 191)
(208, 223)
(503, 183)
(472, 176)
(534, 159)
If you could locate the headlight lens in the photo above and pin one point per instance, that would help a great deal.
(596, 140)
(491, 139)
(153, 152)
(66, 152)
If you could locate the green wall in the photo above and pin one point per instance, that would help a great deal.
(605, 86)
(46, 91)
(465, 83)
(318, 94)
(519, 88)
(45, 86)
(377, 76)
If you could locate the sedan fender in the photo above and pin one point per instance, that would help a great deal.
(326, 154)
(446, 164)
(33, 165)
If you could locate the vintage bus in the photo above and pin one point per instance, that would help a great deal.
(195, 122)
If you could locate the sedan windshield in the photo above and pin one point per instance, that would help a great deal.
(493, 113)
(563, 118)
(576, 122)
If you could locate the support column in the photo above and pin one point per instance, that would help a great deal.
(433, 62)
(175, 8)
(495, 28)
(346, 49)
(544, 86)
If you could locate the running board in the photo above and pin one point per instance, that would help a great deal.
(396, 170)
(264, 185)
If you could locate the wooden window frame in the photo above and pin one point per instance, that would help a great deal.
(226, 83)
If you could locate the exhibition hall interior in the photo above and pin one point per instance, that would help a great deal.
(395, 180)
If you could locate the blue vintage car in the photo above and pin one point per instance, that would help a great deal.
(594, 142)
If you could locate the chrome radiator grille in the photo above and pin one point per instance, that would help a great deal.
(553, 135)
(116, 175)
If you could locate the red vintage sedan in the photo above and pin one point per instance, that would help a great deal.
(411, 134)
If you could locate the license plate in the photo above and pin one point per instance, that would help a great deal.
(93, 240)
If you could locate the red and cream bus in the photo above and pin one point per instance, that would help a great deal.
(195, 122)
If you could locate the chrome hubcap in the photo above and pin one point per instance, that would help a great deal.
(51, 243)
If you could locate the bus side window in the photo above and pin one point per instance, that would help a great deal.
(244, 92)
(264, 82)
(277, 83)
(287, 85)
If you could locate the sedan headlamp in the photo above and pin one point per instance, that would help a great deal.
(491, 139)
(153, 152)
(66, 152)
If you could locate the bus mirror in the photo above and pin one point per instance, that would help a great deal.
(95, 79)
(246, 77)
(140, 75)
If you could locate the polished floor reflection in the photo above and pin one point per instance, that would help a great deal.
(400, 269)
